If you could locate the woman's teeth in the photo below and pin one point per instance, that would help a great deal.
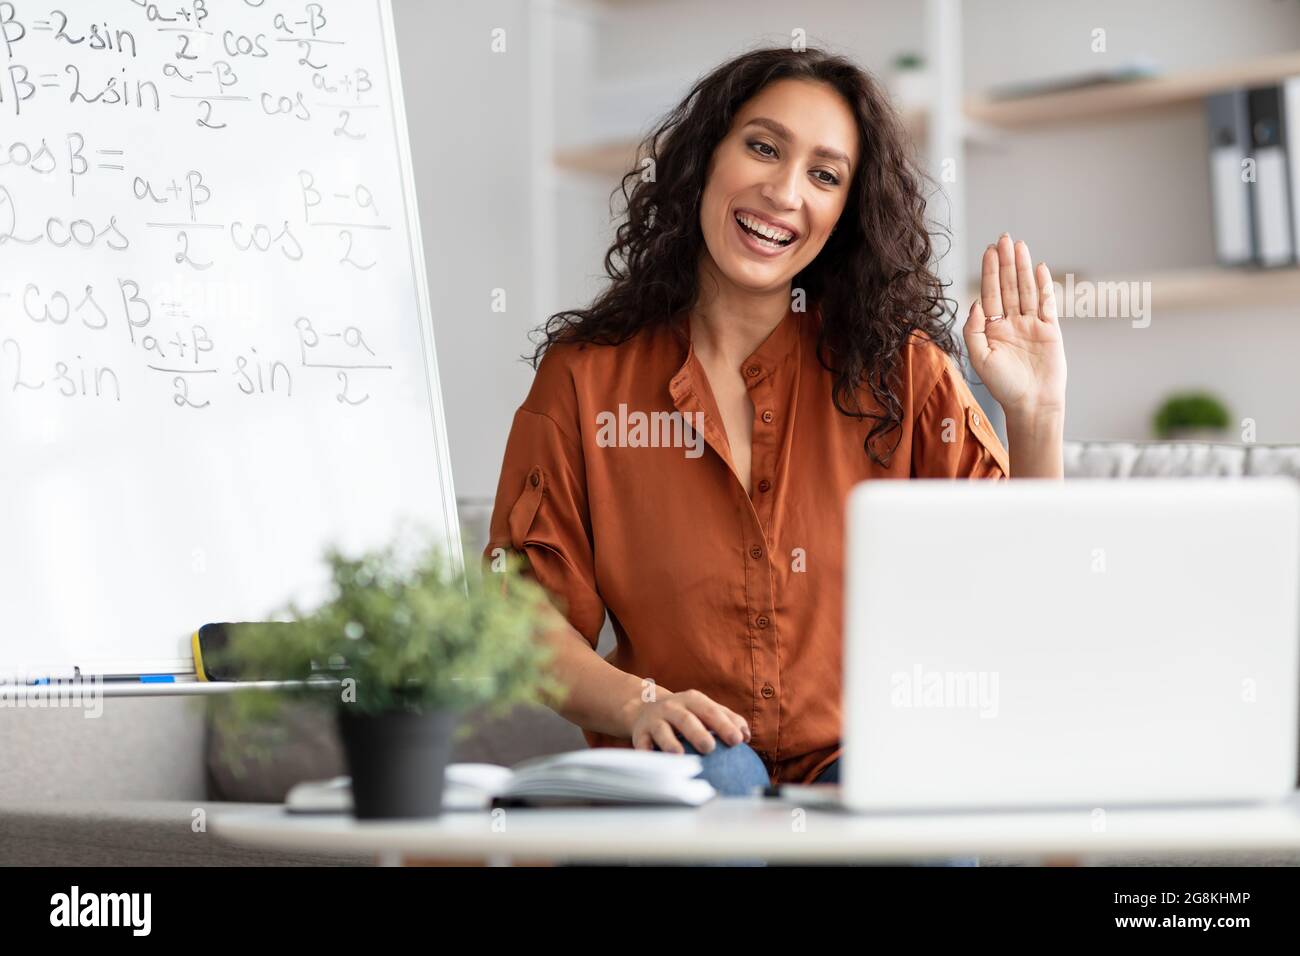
(768, 235)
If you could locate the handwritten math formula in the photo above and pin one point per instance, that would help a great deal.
(200, 208)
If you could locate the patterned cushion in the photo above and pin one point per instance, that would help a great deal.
(1274, 460)
(1178, 459)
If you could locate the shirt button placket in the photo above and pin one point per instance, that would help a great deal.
(766, 660)
(762, 444)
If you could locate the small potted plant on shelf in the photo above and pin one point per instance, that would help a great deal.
(400, 650)
(910, 82)
(1192, 416)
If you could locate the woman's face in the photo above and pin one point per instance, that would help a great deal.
(784, 169)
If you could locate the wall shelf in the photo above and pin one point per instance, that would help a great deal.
(1206, 287)
(1118, 99)
(612, 158)
(1214, 287)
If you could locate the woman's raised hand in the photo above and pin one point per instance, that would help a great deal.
(1012, 333)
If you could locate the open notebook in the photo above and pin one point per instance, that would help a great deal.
(603, 775)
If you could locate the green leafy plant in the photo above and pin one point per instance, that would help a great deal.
(908, 61)
(398, 634)
(1190, 410)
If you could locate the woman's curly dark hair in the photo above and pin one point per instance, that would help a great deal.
(872, 280)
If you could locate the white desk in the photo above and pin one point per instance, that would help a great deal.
(743, 827)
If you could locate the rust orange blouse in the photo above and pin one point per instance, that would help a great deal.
(622, 508)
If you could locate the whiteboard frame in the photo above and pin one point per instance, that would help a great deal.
(184, 666)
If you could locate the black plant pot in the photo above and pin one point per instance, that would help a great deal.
(397, 761)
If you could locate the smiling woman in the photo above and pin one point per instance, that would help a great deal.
(808, 144)
(773, 281)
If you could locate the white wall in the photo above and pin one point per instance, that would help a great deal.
(468, 113)
(1011, 41)
(687, 37)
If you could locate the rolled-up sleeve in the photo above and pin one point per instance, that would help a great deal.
(541, 513)
(952, 437)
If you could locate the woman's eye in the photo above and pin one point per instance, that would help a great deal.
(765, 150)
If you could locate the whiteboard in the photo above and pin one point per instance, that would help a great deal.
(216, 349)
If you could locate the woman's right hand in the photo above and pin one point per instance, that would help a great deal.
(695, 715)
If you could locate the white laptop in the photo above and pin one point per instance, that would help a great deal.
(1083, 643)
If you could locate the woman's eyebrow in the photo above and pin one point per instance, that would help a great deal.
(783, 131)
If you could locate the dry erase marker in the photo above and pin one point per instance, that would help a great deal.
(142, 679)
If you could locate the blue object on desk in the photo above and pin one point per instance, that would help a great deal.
(142, 679)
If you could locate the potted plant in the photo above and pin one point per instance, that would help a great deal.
(402, 647)
(1192, 416)
(910, 82)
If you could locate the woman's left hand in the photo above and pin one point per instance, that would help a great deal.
(1020, 357)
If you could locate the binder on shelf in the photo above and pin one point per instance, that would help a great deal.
(1291, 121)
(1274, 244)
(1228, 117)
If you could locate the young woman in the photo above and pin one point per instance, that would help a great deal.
(772, 334)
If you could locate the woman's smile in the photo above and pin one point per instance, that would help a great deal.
(762, 235)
